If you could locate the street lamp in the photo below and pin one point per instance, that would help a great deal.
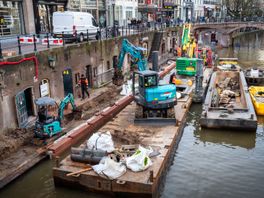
(113, 14)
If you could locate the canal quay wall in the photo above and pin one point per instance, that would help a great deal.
(55, 72)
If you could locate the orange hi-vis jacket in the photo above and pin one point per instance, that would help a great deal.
(83, 81)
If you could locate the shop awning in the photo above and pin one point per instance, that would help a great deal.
(147, 8)
(55, 2)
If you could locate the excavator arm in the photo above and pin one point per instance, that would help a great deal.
(137, 55)
(68, 99)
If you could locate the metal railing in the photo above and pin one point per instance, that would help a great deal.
(23, 44)
(104, 78)
(229, 20)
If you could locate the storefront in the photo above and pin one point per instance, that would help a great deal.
(148, 12)
(11, 18)
(168, 9)
(43, 10)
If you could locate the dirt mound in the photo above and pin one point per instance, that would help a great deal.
(102, 101)
(11, 140)
(129, 136)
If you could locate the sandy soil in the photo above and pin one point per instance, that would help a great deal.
(11, 140)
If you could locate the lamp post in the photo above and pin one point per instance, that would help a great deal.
(113, 14)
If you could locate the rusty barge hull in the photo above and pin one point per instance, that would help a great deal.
(240, 115)
(146, 183)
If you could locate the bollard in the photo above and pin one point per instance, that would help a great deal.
(19, 45)
(100, 33)
(1, 54)
(34, 41)
(129, 30)
(126, 30)
(151, 177)
(87, 32)
(63, 40)
(57, 161)
(106, 32)
(48, 45)
(122, 31)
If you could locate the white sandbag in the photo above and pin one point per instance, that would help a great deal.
(109, 168)
(127, 88)
(101, 141)
(140, 160)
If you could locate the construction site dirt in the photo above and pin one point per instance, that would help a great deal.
(19, 149)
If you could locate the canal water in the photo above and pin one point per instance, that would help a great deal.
(207, 163)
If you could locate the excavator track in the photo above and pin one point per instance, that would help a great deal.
(141, 116)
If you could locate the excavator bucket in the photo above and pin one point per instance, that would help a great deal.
(118, 77)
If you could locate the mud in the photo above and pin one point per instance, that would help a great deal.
(11, 140)
(128, 134)
(102, 101)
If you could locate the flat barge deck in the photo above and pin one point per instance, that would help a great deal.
(164, 138)
(228, 103)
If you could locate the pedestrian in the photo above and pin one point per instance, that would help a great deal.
(83, 82)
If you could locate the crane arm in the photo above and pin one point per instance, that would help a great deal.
(68, 99)
(136, 53)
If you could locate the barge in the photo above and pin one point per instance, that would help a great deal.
(164, 139)
(228, 103)
(254, 76)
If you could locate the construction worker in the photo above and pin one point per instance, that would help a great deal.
(179, 51)
(83, 82)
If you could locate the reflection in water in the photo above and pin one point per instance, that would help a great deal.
(249, 49)
(228, 138)
(212, 163)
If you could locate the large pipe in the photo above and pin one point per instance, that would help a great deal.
(86, 158)
(86, 151)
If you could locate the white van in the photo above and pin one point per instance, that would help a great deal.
(74, 25)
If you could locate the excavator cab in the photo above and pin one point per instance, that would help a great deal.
(157, 100)
(48, 122)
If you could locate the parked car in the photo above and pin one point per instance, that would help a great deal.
(74, 25)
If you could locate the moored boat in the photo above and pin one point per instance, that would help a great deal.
(228, 64)
(227, 103)
(254, 76)
(257, 96)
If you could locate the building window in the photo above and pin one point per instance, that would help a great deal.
(11, 21)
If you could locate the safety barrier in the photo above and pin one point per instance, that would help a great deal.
(28, 40)
(52, 41)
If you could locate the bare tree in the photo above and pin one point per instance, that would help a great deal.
(243, 8)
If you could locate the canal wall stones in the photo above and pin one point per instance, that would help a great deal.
(57, 72)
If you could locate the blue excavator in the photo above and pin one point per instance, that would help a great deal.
(47, 125)
(153, 101)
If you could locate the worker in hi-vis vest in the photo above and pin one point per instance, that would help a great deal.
(83, 82)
